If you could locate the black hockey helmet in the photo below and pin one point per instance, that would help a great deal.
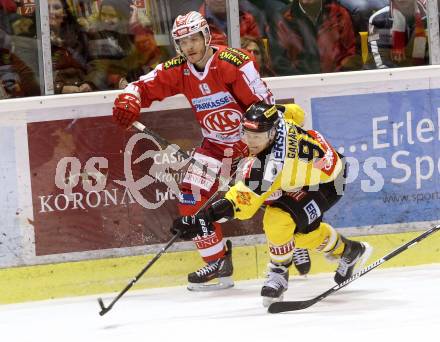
(260, 117)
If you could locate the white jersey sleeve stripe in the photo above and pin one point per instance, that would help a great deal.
(254, 82)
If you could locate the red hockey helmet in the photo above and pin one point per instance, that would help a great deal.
(187, 25)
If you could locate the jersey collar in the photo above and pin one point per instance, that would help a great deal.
(202, 75)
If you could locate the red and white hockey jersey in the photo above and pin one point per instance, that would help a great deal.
(219, 95)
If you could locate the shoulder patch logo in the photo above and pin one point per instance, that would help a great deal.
(241, 54)
(231, 58)
(176, 61)
(243, 198)
(234, 56)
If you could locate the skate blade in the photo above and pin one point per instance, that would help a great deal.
(223, 283)
(269, 300)
(364, 258)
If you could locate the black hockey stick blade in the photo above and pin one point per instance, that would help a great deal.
(104, 310)
(278, 307)
(290, 306)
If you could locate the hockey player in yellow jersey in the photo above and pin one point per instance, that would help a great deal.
(298, 176)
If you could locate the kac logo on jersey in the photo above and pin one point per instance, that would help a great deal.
(223, 121)
(312, 210)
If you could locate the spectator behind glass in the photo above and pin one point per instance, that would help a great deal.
(313, 36)
(397, 35)
(256, 9)
(147, 53)
(119, 46)
(67, 44)
(108, 43)
(16, 78)
(215, 13)
(22, 27)
(256, 47)
(7, 7)
(361, 10)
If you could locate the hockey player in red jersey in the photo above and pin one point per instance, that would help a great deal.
(220, 83)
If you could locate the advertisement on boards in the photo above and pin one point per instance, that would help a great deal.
(392, 143)
(95, 186)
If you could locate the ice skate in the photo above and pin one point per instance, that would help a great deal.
(301, 260)
(220, 272)
(275, 285)
(353, 258)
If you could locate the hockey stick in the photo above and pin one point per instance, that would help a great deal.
(304, 304)
(179, 151)
(105, 309)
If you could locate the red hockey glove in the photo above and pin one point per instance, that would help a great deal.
(126, 109)
(190, 226)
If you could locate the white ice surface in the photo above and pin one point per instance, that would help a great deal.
(384, 305)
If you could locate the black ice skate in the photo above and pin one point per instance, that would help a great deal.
(220, 270)
(275, 285)
(301, 260)
(354, 257)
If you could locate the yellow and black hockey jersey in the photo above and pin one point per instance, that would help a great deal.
(297, 158)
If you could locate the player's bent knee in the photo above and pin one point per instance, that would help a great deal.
(278, 225)
(323, 239)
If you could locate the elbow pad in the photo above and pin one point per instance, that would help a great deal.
(220, 211)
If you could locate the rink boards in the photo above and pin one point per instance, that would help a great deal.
(63, 161)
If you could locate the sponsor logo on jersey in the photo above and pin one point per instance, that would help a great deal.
(297, 195)
(223, 121)
(174, 62)
(328, 162)
(292, 142)
(203, 242)
(241, 54)
(312, 211)
(276, 159)
(231, 58)
(283, 249)
(243, 198)
(278, 147)
(213, 101)
(273, 196)
(187, 199)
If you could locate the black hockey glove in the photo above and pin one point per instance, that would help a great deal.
(190, 226)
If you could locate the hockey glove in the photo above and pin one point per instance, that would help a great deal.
(126, 110)
(190, 226)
